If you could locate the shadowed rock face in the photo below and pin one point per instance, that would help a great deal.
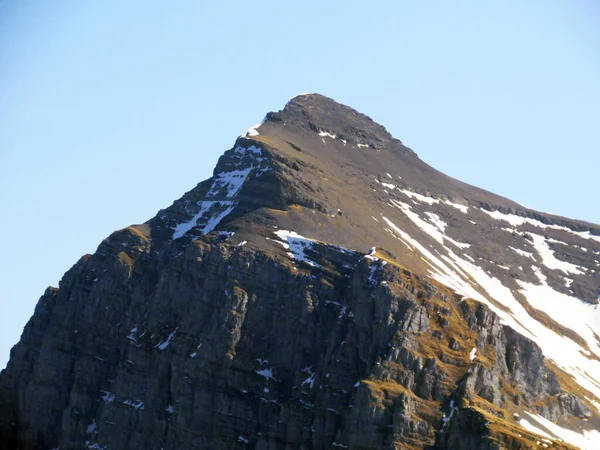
(254, 312)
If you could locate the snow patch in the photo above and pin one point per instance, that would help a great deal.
(193, 354)
(136, 404)
(228, 184)
(473, 354)
(91, 427)
(428, 228)
(311, 377)
(326, 134)
(107, 397)
(586, 440)
(446, 419)
(219, 202)
(225, 235)
(266, 373)
(570, 312)
(435, 219)
(548, 258)
(518, 220)
(556, 241)
(161, 346)
(132, 332)
(297, 244)
(373, 266)
(523, 253)
(461, 208)
(253, 131)
(480, 286)
(419, 197)
(594, 403)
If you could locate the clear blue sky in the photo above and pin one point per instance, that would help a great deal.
(111, 110)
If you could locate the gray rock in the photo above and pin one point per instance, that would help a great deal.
(209, 339)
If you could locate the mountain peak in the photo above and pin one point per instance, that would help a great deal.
(322, 114)
(327, 275)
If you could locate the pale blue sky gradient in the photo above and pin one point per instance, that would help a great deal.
(111, 110)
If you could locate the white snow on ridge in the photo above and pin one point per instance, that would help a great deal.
(549, 260)
(91, 445)
(290, 240)
(419, 197)
(440, 271)
(473, 354)
(477, 284)
(462, 208)
(446, 419)
(587, 440)
(266, 373)
(556, 241)
(534, 429)
(594, 403)
(426, 199)
(161, 346)
(568, 311)
(107, 397)
(326, 134)
(435, 219)
(375, 264)
(311, 377)
(253, 131)
(132, 332)
(297, 244)
(431, 230)
(518, 220)
(91, 427)
(135, 404)
(523, 253)
(219, 200)
(563, 351)
(212, 222)
(229, 183)
(586, 235)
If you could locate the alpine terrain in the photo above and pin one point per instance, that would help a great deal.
(324, 289)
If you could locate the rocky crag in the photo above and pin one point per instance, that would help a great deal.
(324, 289)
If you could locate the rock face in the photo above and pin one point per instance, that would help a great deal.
(324, 289)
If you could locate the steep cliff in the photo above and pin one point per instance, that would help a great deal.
(325, 288)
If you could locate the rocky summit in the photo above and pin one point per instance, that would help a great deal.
(325, 289)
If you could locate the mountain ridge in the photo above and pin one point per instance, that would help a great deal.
(297, 101)
(435, 310)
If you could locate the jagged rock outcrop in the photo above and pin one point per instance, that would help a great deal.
(254, 312)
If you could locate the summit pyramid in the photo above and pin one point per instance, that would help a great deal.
(325, 288)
